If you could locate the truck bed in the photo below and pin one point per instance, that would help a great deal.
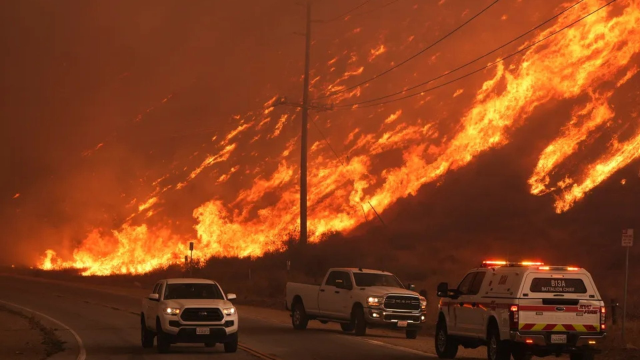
(308, 293)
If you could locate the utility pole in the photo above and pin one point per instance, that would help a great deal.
(305, 128)
(305, 106)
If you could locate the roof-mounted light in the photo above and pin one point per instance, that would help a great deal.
(496, 263)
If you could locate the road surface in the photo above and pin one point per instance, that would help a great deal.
(107, 325)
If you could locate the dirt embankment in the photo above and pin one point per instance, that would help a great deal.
(26, 338)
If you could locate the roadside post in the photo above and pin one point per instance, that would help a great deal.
(191, 260)
(627, 241)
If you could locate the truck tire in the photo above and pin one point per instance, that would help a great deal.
(346, 327)
(446, 346)
(299, 318)
(163, 341)
(359, 323)
(582, 356)
(411, 334)
(497, 349)
(146, 335)
(232, 346)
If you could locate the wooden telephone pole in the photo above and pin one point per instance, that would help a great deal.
(305, 128)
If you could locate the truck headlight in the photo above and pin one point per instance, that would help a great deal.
(172, 311)
(229, 311)
(375, 300)
(423, 303)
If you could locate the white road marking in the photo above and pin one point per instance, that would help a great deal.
(395, 347)
(82, 354)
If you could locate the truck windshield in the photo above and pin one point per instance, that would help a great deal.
(192, 291)
(372, 279)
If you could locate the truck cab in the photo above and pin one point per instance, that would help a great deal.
(357, 299)
(522, 310)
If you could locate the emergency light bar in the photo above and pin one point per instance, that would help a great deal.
(497, 263)
(568, 268)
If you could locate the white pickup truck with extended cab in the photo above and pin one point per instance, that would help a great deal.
(189, 311)
(522, 310)
(357, 299)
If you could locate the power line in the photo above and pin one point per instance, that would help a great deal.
(343, 164)
(412, 57)
(469, 73)
(345, 14)
(468, 63)
(327, 141)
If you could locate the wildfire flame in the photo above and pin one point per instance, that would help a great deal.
(594, 57)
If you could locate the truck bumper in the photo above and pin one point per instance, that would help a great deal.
(542, 341)
(185, 332)
(388, 318)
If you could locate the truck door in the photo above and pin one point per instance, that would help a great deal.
(457, 321)
(474, 319)
(326, 294)
(469, 312)
(154, 305)
(335, 294)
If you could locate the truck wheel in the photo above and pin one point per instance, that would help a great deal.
(446, 346)
(497, 349)
(299, 317)
(411, 334)
(582, 356)
(209, 344)
(231, 347)
(163, 341)
(359, 323)
(346, 327)
(146, 336)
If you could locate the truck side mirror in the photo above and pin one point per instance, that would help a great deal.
(443, 289)
(411, 287)
(231, 296)
(154, 297)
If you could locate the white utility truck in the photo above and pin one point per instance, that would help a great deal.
(189, 311)
(357, 299)
(522, 310)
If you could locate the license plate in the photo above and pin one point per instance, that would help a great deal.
(559, 339)
(202, 331)
(402, 323)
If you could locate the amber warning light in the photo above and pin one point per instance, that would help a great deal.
(496, 263)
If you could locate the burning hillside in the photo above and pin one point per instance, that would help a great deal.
(376, 153)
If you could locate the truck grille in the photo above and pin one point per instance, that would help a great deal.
(201, 315)
(402, 302)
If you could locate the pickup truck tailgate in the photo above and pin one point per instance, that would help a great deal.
(559, 302)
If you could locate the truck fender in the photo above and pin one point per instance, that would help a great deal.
(296, 299)
(492, 321)
(356, 306)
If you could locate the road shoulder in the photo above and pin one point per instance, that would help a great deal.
(25, 337)
(45, 338)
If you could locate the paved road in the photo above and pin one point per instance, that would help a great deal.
(108, 325)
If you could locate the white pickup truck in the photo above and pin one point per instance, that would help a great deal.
(357, 299)
(188, 311)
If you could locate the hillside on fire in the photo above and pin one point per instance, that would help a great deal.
(440, 133)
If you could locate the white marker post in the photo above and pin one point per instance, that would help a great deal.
(627, 241)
